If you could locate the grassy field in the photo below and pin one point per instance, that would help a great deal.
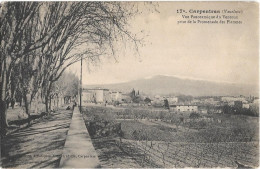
(177, 139)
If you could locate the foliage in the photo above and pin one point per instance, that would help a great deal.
(67, 85)
(40, 40)
(232, 127)
(206, 144)
(136, 99)
(194, 115)
(147, 100)
(184, 98)
(166, 104)
(240, 111)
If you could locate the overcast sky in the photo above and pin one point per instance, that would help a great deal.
(215, 52)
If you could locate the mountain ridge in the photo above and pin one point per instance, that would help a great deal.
(165, 85)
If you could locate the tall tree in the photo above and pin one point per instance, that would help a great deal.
(42, 39)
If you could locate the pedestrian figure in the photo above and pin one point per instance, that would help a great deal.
(74, 105)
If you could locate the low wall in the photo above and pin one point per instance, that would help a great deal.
(78, 151)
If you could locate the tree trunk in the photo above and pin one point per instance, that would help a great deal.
(4, 123)
(48, 98)
(21, 100)
(50, 104)
(27, 109)
(46, 104)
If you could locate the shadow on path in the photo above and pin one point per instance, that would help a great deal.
(39, 145)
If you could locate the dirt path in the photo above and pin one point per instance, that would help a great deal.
(39, 145)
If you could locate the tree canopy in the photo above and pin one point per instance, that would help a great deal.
(40, 40)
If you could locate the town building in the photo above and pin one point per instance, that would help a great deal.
(234, 101)
(229, 99)
(246, 106)
(116, 96)
(184, 108)
(94, 95)
(172, 100)
(126, 98)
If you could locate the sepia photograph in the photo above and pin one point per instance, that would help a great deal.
(129, 84)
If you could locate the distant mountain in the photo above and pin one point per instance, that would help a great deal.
(164, 85)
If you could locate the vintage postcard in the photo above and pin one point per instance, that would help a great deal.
(93, 84)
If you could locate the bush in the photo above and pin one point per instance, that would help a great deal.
(194, 115)
(202, 124)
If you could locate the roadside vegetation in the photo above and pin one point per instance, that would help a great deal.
(168, 139)
(33, 58)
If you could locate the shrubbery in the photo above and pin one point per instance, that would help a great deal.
(223, 127)
(240, 111)
(194, 115)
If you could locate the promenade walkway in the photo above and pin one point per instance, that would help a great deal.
(78, 151)
(38, 146)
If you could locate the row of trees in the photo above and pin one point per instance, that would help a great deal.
(40, 40)
(253, 110)
(66, 87)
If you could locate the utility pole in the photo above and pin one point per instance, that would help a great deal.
(80, 92)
